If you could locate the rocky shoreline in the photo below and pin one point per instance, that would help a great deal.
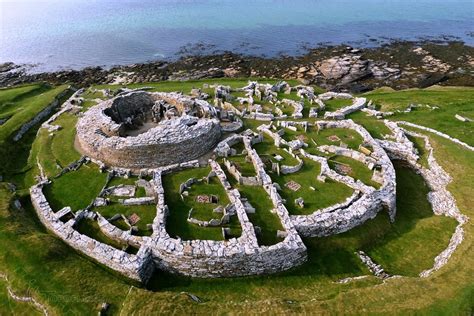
(398, 65)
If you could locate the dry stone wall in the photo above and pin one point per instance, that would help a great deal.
(186, 137)
(138, 267)
(234, 257)
(364, 203)
(39, 117)
(441, 200)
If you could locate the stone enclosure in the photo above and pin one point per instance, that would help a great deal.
(140, 130)
(154, 134)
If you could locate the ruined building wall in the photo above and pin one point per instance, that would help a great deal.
(172, 141)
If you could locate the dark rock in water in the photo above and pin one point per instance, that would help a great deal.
(7, 66)
(431, 79)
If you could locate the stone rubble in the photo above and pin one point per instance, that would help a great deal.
(376, 269)
(73, 103)
(40, 116)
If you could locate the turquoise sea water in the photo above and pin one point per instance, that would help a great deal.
(78, 33)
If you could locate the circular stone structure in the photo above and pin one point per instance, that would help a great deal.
(141, 130)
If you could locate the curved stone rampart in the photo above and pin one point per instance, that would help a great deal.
(99, 132)
(441, 200)
(366, 201)
(138, 267)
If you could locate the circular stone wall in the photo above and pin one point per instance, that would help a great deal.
(147, 130)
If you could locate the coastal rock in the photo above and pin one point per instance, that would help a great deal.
(347, 68)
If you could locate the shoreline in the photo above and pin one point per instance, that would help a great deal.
(399, 65)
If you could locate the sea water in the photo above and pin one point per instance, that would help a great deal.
(56, 34)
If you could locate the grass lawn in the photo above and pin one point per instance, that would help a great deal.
(39, 264)
(21, 105)
(91, 228)
(176, 222)
(268, 150)
(336, 104)
(12, 99)
(450, 100)
(27, 109)
(359, 171)
(54, 151)
(263, 217)
(324, 195)
(125, 181)
(422, 152)
(346, 136)
(245, 167)
(146, 213)
(9, 306)
(76, 189)
(415, 230)
(375, 127)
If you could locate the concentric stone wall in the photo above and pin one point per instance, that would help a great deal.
(175, 140)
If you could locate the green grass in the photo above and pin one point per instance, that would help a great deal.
(39, 264)
(9, 306)
(119, 180)
(420, 147)
(413, 230)
(359, 170)
(76, 189)
(347, 136)
(263, 217)
(267, 150)
(146, 213)
(54, 151)
(324, 195)
(245, 167)
(450, 100)
(91, 228)
(27, 110)
(21, 105)
(375, 127)
(10, 98)
(176, 222)
(336, 104)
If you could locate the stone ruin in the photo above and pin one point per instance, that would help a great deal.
(154, 134)
(148, 130)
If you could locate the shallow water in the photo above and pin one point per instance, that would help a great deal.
(77, 33)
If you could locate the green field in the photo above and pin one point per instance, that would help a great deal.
(40, 265)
